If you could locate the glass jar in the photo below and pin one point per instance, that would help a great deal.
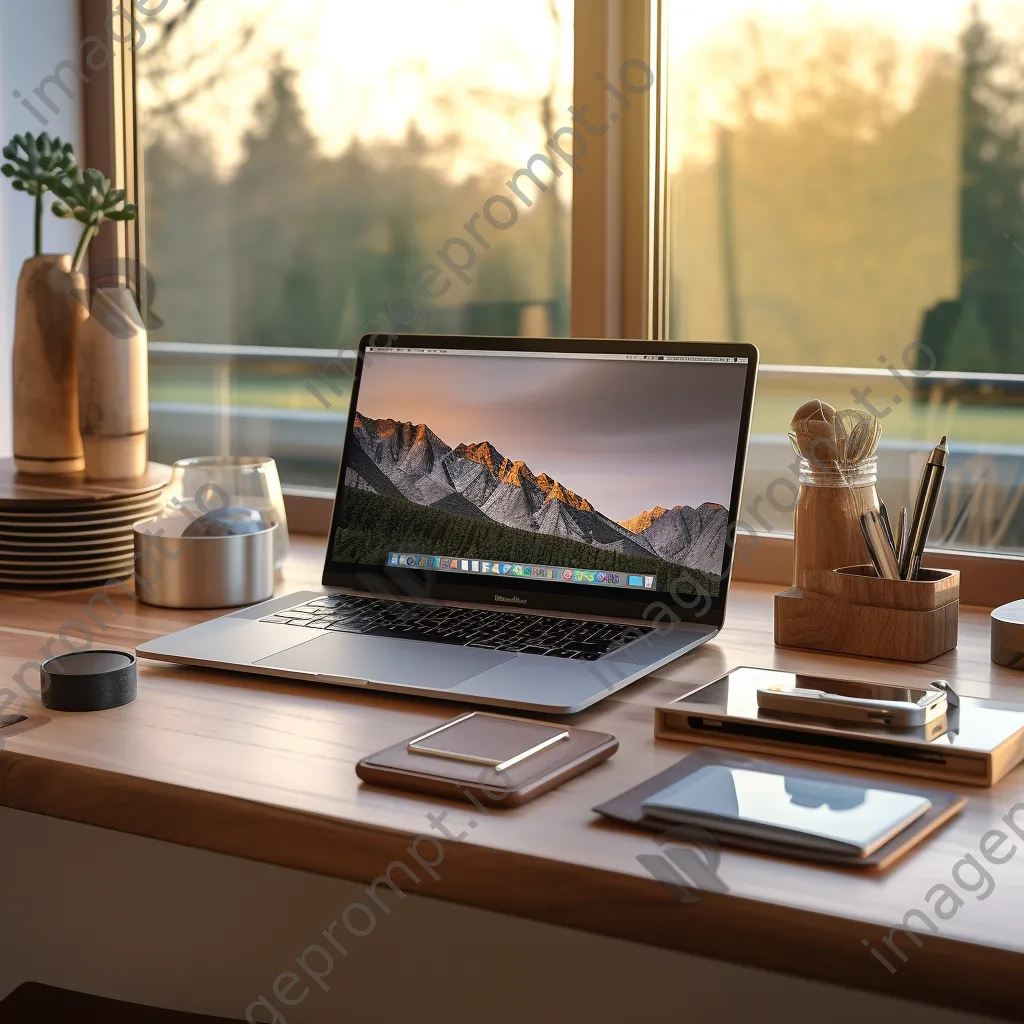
(828, 510)
(212, 482)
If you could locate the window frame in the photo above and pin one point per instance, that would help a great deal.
(108, 115)
(619, 204)
(619, 234)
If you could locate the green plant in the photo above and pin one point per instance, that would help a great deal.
(38, 164)
(90, 199)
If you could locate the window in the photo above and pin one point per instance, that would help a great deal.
(313, 172)
(847, 192)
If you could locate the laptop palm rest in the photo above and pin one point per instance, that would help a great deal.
(378, 660)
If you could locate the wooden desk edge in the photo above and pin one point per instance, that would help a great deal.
(826, 948)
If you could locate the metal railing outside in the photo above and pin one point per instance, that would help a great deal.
(292, 403)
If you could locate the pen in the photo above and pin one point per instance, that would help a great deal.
(883, 513)
(924, 510)
(883, 558)
(869, 540)
(901, 534)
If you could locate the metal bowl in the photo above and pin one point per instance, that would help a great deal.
(172, 571)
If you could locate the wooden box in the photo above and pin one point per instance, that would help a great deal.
(853, 611)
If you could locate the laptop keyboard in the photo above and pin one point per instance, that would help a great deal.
(463, 627)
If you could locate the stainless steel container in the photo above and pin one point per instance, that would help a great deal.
(202, 572)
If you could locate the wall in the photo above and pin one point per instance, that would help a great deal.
(34, 38)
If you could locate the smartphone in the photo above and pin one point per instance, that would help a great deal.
(847, 700)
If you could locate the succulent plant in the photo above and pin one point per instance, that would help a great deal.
(90, 199)
(38, 164)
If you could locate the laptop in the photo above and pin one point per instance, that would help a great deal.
(519, 523)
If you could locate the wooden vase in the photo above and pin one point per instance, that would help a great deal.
(51, 307)
(827, 527)
(113, 387)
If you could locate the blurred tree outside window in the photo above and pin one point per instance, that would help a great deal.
(847, 191)
(301, 164)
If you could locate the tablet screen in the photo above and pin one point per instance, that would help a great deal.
(773, 804)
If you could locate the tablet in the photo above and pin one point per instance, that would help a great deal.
(768, 803)
(977, 741)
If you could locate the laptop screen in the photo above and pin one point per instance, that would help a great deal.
(607, 472)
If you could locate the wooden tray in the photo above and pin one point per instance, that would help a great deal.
(71, 514)
(852, 611)
(19, 492)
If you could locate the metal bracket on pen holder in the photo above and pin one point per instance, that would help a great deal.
(852, 611)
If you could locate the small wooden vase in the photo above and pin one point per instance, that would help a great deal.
(113, 387)
(51, 308)
(826, 526)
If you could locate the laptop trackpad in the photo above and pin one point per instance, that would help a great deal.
(378, 660)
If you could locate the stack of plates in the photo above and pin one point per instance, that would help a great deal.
(61, 532)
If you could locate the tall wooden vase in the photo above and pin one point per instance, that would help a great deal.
(51, 308)
(113, 387)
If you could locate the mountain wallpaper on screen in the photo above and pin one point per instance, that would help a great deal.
(407, 462)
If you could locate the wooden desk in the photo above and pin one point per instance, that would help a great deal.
(264, 770)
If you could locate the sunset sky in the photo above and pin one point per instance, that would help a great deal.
(475, 69)
(711, 48)
(625, 435)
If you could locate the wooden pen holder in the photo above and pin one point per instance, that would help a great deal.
(853, 611)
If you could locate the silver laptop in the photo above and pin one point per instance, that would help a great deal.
(521, 523)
